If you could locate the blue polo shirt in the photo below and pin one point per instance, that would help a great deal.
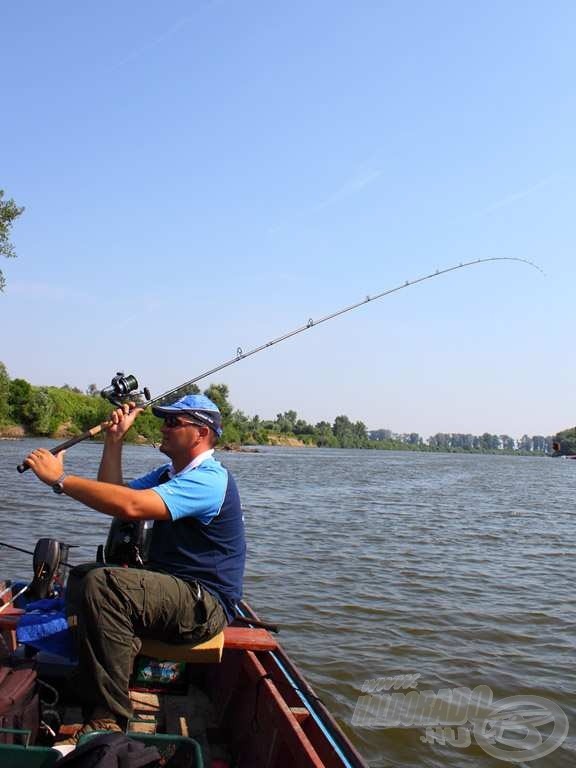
(204, 541)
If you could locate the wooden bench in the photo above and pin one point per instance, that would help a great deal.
(210, 652)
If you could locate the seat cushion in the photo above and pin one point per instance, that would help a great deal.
(209, 652)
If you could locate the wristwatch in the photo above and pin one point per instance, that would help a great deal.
(58, 486)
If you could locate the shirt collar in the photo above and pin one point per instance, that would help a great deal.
(193, 464)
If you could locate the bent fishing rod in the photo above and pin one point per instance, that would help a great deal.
(122, 387)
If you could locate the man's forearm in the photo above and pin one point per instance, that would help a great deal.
(102, 496)
(114, 500)
(110, 470)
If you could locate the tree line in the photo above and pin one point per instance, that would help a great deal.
(456, 441)
(66, 411)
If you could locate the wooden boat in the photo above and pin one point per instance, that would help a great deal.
(240, 700)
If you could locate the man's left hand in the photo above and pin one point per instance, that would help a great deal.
(45, 465)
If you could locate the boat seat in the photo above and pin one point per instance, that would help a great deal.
(210, 652)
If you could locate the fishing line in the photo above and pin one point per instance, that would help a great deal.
(128, 383)
(29, 552)
(240, 355)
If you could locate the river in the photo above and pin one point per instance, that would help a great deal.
(456, 568)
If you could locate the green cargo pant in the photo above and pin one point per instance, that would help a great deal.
(115, 607)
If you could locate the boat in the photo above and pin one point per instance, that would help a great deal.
(236, 701)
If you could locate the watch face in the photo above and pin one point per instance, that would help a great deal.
(58, 488)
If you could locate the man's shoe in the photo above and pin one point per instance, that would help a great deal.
(99, 724)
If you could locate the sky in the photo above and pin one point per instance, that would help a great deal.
(203, 176)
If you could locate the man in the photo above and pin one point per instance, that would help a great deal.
(193, 577)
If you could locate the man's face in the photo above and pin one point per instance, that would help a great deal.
(180, 435)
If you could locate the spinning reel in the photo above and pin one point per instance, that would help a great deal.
(123, 388)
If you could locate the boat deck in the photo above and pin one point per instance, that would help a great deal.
(241, 699)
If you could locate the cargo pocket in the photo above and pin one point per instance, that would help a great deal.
(130, 587)
(192, 617)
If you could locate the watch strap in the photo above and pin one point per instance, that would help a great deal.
(57, 486)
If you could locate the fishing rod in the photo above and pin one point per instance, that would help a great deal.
(15, 597)
(123, 387)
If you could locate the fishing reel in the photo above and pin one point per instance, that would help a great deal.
(123, 388)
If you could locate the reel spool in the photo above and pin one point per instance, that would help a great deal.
(123, 388)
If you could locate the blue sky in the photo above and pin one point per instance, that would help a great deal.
(207, 175)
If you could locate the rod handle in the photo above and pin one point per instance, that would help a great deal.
(69, 443)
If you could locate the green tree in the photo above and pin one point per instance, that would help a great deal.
(565, 442)
(71, 389)
(188, 389)
(39, 411)
(301, 427)
(350, 435)
(286, 421)
(147, 426)
(4, 394)
(324, 435)
(20, 394)
(9, 211)
(218, 393)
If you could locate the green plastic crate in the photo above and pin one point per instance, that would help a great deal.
(23, 756)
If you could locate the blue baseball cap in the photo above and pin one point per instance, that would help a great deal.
(197, 408)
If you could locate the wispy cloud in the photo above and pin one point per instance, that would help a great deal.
(146, 307)
(143, 49)
(362, 177)
(514, 197)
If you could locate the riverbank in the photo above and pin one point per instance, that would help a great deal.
(65, 431)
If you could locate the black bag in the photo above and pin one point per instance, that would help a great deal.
(111, 750)
(19, 701)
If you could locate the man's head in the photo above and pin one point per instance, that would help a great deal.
(191, 424)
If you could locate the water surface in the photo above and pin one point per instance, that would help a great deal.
(457, 568)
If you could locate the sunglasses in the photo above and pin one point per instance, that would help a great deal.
(172, 422)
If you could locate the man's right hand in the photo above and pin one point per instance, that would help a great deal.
(121, 420)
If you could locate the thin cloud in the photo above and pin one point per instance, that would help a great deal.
(356, 183)
(143, 49)
(146, 308)
(514, 197)
(365, 175)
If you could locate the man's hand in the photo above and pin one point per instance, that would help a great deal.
(45, 465)
(122, 419)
